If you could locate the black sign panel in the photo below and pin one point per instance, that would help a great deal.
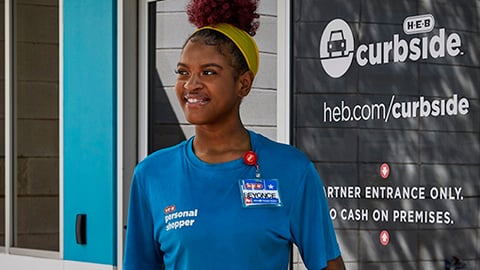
(387, 104)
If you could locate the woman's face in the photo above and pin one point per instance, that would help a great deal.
(206, 87)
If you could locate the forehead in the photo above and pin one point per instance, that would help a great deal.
(197, 52)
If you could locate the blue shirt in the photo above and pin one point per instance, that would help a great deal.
(188, 214)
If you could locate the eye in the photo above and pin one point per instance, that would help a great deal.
(209, 72)
(181, 72)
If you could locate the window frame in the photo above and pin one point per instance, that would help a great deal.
(10, 131)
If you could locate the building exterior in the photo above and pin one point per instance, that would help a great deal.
(381, 95)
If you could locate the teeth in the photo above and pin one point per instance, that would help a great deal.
(195, 100)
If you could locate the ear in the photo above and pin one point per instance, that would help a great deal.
(245, 82)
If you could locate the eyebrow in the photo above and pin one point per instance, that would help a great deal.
(203, 66)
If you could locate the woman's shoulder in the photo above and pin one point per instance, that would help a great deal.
(163, 156)
(279, 150)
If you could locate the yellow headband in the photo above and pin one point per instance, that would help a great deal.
(245, 43)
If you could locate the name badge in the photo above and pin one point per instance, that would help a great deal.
(260, 192)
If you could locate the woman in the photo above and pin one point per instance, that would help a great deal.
(227, 198)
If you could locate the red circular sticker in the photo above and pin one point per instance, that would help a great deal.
(250, 158)
(384, 237)
(385, 170)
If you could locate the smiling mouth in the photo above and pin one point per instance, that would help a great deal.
(196, 100)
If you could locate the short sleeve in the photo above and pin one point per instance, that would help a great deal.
(141, 249)
(311, 224)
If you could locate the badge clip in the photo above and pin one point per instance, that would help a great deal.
(250, 158)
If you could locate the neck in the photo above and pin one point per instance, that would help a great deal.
(222, 145)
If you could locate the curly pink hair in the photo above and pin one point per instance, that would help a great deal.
(239, 13)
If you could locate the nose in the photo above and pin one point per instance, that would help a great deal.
(193, 82)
